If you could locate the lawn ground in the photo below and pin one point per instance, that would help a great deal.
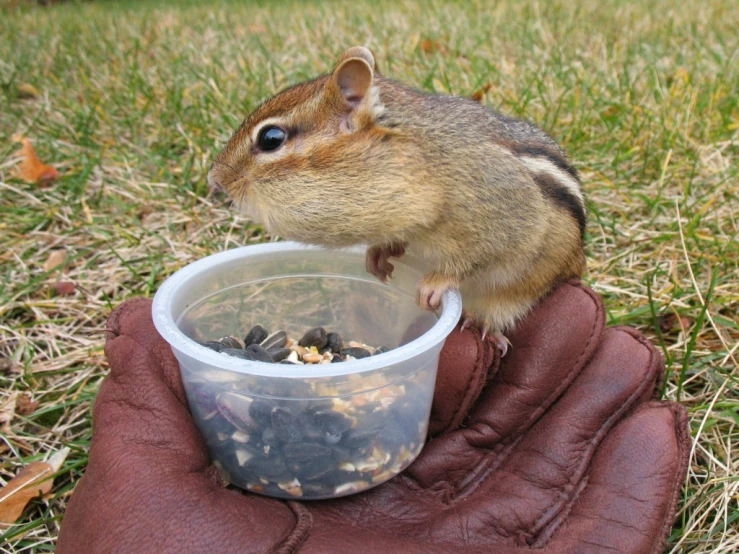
(131, 101)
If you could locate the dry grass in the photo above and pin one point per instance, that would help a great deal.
(135, 100)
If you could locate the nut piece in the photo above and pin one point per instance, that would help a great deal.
(312, 358)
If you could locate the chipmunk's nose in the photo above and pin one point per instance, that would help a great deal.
(212, 181)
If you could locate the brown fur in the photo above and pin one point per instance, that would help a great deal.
(442, 175)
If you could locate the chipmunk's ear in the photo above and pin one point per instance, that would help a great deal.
(354, 74)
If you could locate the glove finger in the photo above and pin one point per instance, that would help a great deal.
(146, 488)
(549, 348)
(629, 500)
(521, 489)
(466, 364)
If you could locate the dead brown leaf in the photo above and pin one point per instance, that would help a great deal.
(672, 322)
(31, 169)
(27, 92)
(256, 28)
(55, 259)
(427, 46)
(479, 94)
(143, 212)
(24, 405)
(432, 46)
(64, 288)
(31, 482)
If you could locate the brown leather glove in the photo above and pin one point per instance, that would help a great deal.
(558, 448)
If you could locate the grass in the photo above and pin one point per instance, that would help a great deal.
(134, 101)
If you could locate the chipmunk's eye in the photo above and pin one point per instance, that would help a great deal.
(271, 137)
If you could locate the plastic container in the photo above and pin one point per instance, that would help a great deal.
(306, 431)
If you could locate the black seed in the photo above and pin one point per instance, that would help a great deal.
(333, 438)
(286, 426)
(317, 406)
(392, 436)
(357, 353)
(239, 353)
(279, 354)
(213, 345)
(269, 438)
(230, 342)
(287, 362)
(332, 422)
(259, 353)
(359, 438)
(255, 335)
(315, 337)
(269, 467)
(261, 411)
(278, 339)
(336, 359)
(341, 453)
(304, 451)
(334, 342)
(374, 421)
(204, 398)
(315, 468)
(381, 350)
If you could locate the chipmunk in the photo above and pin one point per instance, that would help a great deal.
(352, 157)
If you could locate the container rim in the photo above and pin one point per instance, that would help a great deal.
(166, 326)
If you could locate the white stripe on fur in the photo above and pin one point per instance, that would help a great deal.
(543, 165)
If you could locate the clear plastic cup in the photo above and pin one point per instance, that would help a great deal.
(306, 431)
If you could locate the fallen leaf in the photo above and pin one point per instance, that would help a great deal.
(55, 259)
(31, 482)
(7, 412)
(143, 212)
(24, 405)
(431, 46)
(31, 169)
(64, 288)
(478, 95)
(672, 322)
(428, 46)
(256, 28)
(26, 91)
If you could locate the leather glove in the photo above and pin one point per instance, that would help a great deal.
(559, 448)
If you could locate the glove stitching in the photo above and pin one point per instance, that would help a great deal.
(473, 379)
(539, 541)
(651, 367)
(296, 538)
(492, 461)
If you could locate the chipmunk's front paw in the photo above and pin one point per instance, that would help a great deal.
(496, 338)
(377, 260)
(431, 288)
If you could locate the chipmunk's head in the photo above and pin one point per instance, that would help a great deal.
(314, 163)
